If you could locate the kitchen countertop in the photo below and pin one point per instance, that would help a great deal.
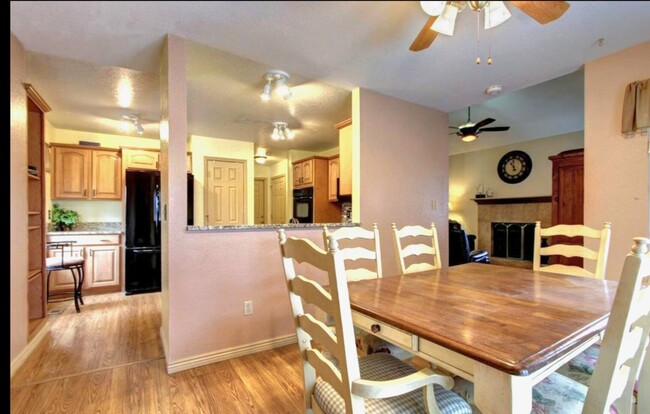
(88, 228)
(248, 227)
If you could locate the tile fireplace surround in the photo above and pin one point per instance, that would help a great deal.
(512, 210)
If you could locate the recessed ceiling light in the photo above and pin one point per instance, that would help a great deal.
(493, 89)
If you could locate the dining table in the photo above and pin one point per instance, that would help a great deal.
(503, 328)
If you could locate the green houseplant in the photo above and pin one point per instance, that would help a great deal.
(63, 219)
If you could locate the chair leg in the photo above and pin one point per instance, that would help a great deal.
(80, 270)
(76, 291)
(49, 272)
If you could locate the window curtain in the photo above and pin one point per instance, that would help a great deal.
(636, 107)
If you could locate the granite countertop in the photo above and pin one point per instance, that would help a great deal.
(248, 227)
(88, 228)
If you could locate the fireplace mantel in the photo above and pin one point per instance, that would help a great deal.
(513, 200)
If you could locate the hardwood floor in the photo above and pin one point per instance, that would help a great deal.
(109, 359)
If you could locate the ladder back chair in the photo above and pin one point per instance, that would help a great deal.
(355, 238)
(623, 354)
(420, 251)
(378, 383)
(64, 259)
(572, 250)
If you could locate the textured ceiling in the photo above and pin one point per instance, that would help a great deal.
(346, 44)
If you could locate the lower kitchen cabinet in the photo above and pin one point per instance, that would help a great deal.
(102, 263)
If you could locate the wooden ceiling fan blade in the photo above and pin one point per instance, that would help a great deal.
(425, 37)
(542, 11)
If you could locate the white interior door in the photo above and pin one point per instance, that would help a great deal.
(278, 200)
(260, 201)
(225, 189)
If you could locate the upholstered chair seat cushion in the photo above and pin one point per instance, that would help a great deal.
(381, 367)
(66, 261)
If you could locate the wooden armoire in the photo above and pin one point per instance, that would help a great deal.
(567, 200)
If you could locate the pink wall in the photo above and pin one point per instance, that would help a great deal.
(404, 169)
(616, 168)
(208, 275)
(18, 200)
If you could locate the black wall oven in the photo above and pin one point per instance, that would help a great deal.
(303, 205)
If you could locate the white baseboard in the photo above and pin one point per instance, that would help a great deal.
(222, 355)
(29, 348)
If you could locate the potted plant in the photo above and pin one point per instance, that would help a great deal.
(63, 219)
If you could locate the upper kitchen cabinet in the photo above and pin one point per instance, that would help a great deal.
(303, 173)
(83, 173)
(345, 157)
(141, 159)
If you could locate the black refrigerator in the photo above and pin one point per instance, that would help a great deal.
(142, 238)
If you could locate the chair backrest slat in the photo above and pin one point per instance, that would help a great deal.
(368, 270)
(431, 252)
(312, 292)
(572, 250)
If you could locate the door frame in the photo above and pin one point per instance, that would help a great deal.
(205, 188)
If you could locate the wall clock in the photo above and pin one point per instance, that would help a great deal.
(514, 167)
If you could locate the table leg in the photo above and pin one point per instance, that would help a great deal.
(496, 392)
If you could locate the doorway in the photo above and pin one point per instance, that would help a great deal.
(225, 191)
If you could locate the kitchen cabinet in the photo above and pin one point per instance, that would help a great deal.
(101, 254)
(345, 157)
(303, 173)
(333, 175)
(141, 159)
(189, 162)
(83, 173)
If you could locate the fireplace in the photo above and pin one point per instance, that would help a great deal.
(513, 240)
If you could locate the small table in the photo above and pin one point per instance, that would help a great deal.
(503, 328)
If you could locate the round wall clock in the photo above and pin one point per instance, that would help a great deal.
(514, 167)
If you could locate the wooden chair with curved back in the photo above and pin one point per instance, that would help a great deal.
(572, 250)
(378, 383)
(419, 250)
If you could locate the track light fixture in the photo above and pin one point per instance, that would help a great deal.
(281, 132)
(131, 119)
(280, 78)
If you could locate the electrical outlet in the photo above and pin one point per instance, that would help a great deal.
(248, 307)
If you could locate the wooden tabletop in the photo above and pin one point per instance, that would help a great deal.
(515, 320)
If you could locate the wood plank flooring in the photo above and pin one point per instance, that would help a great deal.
(109, 359)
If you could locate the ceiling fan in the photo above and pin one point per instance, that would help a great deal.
(443, 16)
(469, 131)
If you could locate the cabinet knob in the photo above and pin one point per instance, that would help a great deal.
(375, 328)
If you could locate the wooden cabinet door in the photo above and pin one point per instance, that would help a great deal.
(568, 198)
(297, 174)
(333, 174)
(102, 266)
(141, 159)
(71, 173)
(106, 176)
(345, 160)
(62, 279)
(188, 161)
(308, 172)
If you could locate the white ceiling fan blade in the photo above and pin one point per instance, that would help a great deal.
(445, 23)
(433, 8)
(496, 13)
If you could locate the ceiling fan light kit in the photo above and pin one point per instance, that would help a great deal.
(469, 131)
(496, 13)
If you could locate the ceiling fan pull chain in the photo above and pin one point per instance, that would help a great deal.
(487, 16)
(478, 38)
